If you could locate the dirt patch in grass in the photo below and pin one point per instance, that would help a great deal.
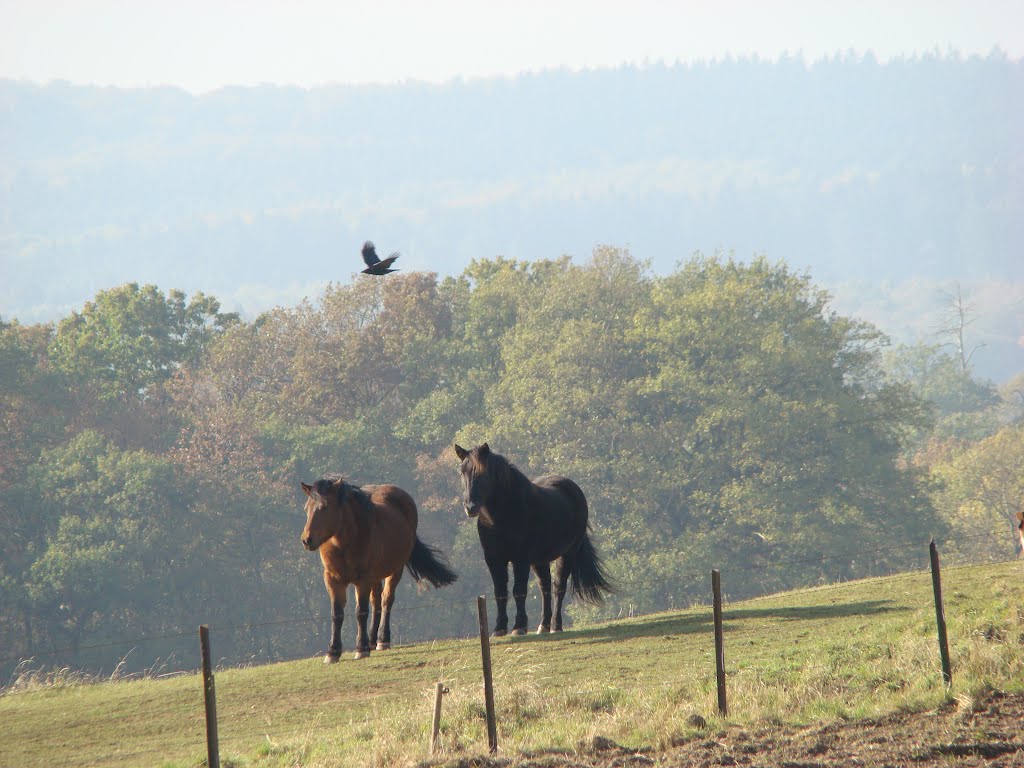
(986, 732)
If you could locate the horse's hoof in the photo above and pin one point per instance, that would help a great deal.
(331, 658)
(383, 646)
(542, 630)
(556, 629)
(518, 631)
(361, 655)
(499, 633)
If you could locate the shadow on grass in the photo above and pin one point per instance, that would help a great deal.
(623, 630)
(671, 626)
(814, 612)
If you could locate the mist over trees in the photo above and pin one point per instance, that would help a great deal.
(885, 179)
(182, 340)
(721, 415)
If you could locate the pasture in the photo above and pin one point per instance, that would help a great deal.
(826, 654)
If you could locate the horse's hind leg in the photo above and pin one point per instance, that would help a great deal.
(387, 600)
(543, 571)
(563, 567)
(362, 614)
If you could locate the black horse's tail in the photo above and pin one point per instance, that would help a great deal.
(425, 562)
(589, 581)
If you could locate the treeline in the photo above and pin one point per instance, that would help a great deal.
(718, 416)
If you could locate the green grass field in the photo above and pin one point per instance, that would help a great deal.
(838, 652)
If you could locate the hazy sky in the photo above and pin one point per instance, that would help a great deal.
(200, 45)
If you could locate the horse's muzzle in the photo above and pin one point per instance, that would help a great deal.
(307, 542)
(472, 509)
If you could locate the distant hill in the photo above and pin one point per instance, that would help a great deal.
(889, 182)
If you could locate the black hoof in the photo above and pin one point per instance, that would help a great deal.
(499, 633)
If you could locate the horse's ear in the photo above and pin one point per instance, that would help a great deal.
(307, 489)
(461, 452)
(483, 451)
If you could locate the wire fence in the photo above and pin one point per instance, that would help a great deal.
(623, 588)
(751, 674)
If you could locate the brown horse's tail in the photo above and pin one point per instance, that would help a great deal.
(425, 562)
(590, 583)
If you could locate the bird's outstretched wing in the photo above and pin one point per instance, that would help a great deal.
(386, 263)
(370, 254)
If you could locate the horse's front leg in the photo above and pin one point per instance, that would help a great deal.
(520, 583)
(543, 571)
(499, 575)
(362, 614)
(375, 616)
(338, 590)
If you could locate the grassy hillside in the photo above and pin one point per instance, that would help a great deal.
(829, 653)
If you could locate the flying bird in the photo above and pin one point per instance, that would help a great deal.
(374, 264)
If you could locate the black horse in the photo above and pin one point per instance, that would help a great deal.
(530, 524)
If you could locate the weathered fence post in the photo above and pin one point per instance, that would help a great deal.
(716, 589)
(940, 614)
(485, 652)
(210, 698)
(435, 723)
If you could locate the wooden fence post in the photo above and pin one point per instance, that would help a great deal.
(435, 723)
(210, 698)
(940, 614)
(485, 652)
(716, 589)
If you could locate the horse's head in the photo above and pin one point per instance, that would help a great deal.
(324, 503)
(477, 481)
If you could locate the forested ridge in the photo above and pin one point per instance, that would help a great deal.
(721, 415)
(888, 179)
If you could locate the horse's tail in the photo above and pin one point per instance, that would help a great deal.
(590, 583)
(425, 562)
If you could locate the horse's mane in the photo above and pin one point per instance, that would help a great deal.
(324, 488)
(507, 476)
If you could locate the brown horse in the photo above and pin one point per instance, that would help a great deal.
(366, 536)
(1020, 532)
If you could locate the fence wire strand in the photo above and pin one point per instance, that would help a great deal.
(449, 603)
